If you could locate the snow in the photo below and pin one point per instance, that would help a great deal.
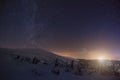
(15, 69)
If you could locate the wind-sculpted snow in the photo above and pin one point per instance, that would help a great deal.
(20, 65)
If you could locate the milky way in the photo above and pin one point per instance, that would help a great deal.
(67, 27)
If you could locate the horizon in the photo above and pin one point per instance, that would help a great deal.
(67, 56)
(84, 28)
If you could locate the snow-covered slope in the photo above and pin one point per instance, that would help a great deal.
(32, 52)
(14, 69)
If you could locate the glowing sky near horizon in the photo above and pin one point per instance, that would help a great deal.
(76, 28)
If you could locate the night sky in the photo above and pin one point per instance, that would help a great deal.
(77, 28)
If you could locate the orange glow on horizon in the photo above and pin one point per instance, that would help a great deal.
(99, 55)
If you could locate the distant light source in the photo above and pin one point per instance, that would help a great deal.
(101, 58)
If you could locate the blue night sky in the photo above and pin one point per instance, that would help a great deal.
(67, 27)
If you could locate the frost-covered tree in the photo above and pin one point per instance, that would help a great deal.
(35, 60)
(72, 65)
(56, 62)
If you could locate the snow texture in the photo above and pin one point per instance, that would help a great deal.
(19, 65)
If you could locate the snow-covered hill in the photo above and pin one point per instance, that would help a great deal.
(32, 52)
(13, 67)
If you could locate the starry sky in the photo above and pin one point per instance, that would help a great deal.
(77, 28)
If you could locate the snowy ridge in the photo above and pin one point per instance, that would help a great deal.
(20, 64)
(32, 52)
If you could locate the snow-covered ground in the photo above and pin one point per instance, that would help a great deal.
(14, 68)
